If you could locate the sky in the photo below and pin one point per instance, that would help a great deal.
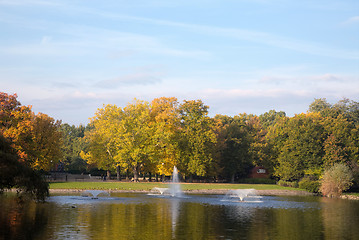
(67, 58)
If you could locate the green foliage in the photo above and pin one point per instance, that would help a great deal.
(270, 118)
(284, 183)
(309, 185)
(257, 181)
(73, 144)
(336, 179)
(298, 145)
(235, 154)
(197, 138)
(345, 107)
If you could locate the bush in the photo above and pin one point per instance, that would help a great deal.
(287, 184)
(257, 181)
(336, 179)
(309, 185)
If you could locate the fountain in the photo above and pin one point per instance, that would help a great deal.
(241, 194)
(174, 189)
(94, 193)
(161, 191)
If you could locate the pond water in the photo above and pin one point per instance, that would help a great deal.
(141, 216)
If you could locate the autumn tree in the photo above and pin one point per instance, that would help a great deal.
(166, 123)
(103, 149)
(197, 139)
(122, 138)
(35, 138)
(16, 124)
(135, 141)
(46, 142)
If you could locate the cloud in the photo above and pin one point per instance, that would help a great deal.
(28, 2)
(253, 93)
(329, 78)
(130, 80)
(241, 34)
(352, 20)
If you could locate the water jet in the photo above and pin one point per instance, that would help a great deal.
(94, 193)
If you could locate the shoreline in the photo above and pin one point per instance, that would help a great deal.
(200, 191)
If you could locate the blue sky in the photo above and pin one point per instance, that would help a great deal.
(68, 58)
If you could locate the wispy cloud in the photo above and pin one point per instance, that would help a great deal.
(254, 93)
(241, 34)
(352, 20)
(29, 2)
(130, 80)
(249, 35)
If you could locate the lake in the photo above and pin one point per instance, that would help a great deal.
(141, 216)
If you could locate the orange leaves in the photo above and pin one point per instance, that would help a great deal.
(35, 138)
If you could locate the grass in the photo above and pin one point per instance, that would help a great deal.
(352, 193)
(149, 185)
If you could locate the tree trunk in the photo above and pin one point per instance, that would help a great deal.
(135, 174)
(191, 178)
(150, 177)
(127, 175)
(108, 174)
(156, 177)
(118, 172)
(232, 178)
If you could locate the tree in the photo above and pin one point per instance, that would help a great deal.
(15, 174)
(346, 107)
(103, 139)
(298, 145)
(319, 105)
(198, 138)
(73, 144)
(260, 149)
(16, 124)
(166, 122)
(136, 136)
(235, 156)
(268, 119)
(122, 137)
(35, 138)
(47, 140)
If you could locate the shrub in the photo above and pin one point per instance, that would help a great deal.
(335, 180)
(257, 181)
(309, 185)
(287, 184)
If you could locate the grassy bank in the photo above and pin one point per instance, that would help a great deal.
(148, 186)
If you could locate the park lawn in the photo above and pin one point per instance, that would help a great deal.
(352, 193)
(142, 186)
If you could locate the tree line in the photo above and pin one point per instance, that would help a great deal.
(152, 137)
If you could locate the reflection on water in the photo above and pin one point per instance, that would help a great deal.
(138, 216)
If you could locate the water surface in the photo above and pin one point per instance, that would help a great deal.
(141, 216)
